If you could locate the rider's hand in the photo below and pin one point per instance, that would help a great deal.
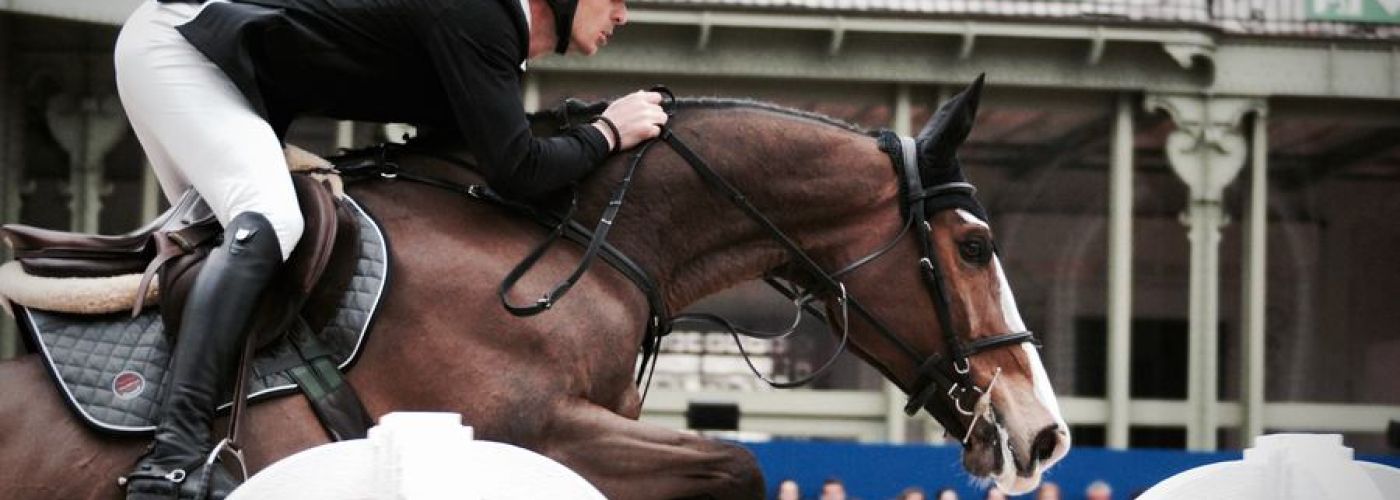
(638, 117)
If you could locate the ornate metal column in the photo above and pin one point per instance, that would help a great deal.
(87, 127)
(1207, 151)
(1255, 270)
(1120, 272)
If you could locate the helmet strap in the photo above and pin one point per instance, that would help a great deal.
(563, 23)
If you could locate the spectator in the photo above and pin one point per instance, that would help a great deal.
(788, 490)
(912, 493)
(1048, 491)
(946, 494)
(1098, 490)
(833, 489)
(994, 494)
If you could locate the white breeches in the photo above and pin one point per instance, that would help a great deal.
(197, 128)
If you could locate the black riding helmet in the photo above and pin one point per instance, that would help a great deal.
(563, 22)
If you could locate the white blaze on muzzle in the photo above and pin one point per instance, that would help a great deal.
(1044, 392)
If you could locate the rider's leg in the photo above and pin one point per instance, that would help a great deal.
(215, 326)
(198, 129)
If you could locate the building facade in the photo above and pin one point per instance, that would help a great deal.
(1195, 200)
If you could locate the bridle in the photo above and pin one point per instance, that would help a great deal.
(943, 382)
(948, 373)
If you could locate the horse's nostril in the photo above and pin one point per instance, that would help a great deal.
(1045, 443)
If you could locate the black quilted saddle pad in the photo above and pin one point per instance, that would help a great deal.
(111, 368)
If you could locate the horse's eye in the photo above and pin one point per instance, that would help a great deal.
(975, 250)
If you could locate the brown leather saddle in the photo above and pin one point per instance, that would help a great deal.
(172, 249)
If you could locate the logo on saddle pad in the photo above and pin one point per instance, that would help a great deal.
(128, 384)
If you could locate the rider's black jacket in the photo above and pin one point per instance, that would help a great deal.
(446, 63)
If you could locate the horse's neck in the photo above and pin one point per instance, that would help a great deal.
(828, 188)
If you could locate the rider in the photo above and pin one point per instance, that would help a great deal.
(210, 87)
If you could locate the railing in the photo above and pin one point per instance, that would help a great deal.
(1325, 18)
(1312, 18)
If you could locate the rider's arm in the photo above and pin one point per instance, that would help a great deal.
(476, 49)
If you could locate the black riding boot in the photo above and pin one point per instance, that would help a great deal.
(217, 315)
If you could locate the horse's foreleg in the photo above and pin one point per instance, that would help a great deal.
(626, 459)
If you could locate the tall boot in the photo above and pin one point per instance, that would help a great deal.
(217, 316)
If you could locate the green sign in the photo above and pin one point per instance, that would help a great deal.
(1366, 11)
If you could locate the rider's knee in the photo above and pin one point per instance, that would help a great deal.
(286, 224)
(288, 228)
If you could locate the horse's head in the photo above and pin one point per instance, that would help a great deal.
(959, 346)
(917, 284)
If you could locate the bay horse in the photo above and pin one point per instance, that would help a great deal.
(561, 382)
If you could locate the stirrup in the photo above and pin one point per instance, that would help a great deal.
(178, 476)
(226, 444)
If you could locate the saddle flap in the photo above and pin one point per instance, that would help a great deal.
(308, 260)
(320, 305)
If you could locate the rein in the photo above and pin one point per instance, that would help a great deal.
(379, 165)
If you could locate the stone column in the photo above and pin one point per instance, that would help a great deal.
(1207, 151)
(87, 127)
(1120, 272)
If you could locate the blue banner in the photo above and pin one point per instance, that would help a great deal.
(880, 472)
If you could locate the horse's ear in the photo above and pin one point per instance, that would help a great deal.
(949, 127)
